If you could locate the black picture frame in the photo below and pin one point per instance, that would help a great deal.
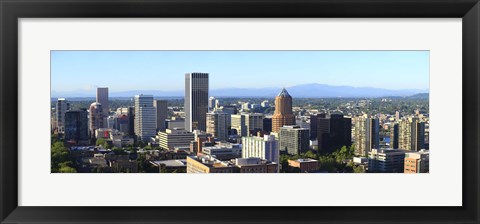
(12, 10)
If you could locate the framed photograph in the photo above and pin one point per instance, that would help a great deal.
(239, 111)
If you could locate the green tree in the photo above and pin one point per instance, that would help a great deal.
(118, 151)
(61, 160)
(131, 149)
(327, 163)
(163, 169)
(358, 169)
(106, 145)
(310, 155)
(141, 144)
(54, 138)
(100, 141)
(141, 163)
(67, 169)
(284, 163)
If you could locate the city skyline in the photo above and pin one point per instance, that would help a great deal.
(205, 134)
(164, 70)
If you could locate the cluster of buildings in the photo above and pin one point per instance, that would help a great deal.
(229, 139)
(398, 161)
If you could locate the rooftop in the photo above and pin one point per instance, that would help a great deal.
(389, 150)
(295, 127)
(307, 160)
(283, 93)
(172, 163)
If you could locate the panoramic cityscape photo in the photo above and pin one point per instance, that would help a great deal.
(240, 112)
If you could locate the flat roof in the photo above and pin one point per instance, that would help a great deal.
(305, 160)
(172, 162)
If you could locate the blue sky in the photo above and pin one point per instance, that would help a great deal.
(164, 70)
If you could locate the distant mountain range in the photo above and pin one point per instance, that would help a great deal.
(313, 90)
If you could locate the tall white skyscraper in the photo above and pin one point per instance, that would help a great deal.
(145, 117)
(196, 101)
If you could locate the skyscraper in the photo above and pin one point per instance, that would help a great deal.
(314, 125)
(374, 123)
(366, 134)
(102, 97)
(247, 124)
(131, 121)
(418, 135)
(96, 117)
(267, 124)
(283, 114)
(196, 101)
(217, 124)
(411, 134)
(162, 113)
(340, 131)
(239, 124)
(76, 126)
(62, 106)
(334, 132)
(394, 134)
(254, 122)
(294, 140)
(145, 118)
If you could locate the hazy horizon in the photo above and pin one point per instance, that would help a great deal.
(164, 70)
(232, 92)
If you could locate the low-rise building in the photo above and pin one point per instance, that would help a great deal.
(256, 165)
(168, 166)
(209, 164)
(386, 160)
(174, 123)
(360, 160)
(119, 139)
(417, 162)
(265, 147)
(223, 151)
(304, 165)
(104, 133)
(171, 138)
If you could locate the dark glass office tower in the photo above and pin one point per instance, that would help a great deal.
(196, 101)
(333, 133)
(394, 136)
(131, 121)
(162, 113)
(314, 125)
(76, 127)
